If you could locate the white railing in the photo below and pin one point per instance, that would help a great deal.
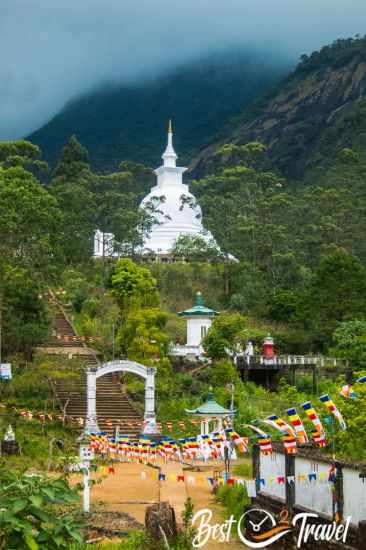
(289, 360)
(186, 350)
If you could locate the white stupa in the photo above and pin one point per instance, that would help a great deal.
(179, 212)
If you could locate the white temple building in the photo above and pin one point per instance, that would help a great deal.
(178, 212)
(198, 323)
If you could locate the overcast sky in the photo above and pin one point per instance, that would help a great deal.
(53, 50)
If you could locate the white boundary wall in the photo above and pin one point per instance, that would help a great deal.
(273, 466)
(354, 495)
(314, 495)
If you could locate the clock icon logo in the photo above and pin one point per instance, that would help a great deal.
(258, 520)
(257, 528)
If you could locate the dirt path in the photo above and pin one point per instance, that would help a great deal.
(200, 492)
(133, 487)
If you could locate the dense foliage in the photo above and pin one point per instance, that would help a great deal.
(35, 512)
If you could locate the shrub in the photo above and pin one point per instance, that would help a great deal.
(234, 498)
(36, 513)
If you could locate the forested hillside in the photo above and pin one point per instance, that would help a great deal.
(120, 122)
(300, 248)
(310, 117)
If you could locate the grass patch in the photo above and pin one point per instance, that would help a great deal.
(244, 470)
(234, 498)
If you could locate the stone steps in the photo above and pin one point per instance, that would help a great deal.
(113, 403)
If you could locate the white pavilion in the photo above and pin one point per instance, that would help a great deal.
(198, 323)
(178, 212)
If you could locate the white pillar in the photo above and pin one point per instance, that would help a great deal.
(91, 424)
(203, 427)
(86, 489)
(219, 424)
(149, 416)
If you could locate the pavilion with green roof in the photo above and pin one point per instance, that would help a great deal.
(199, 320)
(209, 411)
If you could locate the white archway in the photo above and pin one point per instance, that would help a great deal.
(148, 373)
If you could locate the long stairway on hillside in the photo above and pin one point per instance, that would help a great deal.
(114, 407)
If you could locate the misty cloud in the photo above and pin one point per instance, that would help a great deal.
(52, 51)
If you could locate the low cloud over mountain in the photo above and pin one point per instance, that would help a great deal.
(51, 52)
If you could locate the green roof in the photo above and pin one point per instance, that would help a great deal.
(199, 309)
(210, 407)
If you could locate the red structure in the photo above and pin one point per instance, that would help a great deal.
(268, 347)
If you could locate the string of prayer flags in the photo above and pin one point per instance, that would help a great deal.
(256, 430)
(333, 409)
(318, 438)
(265, 445)
(251, 488)
(289, 443)
(347, 392)
(362, 380)
(240, 442)
(312, 415)
(298, 426)
(279, 424)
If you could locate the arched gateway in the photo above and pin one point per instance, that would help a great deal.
(148, 373)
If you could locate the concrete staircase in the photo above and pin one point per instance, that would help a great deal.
(113, 404)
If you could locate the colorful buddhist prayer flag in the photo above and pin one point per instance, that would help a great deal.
(289, 443)
(333, 409)
(240, 442)
(318, 438)
(362, 380)
(279, 424)
(265, 445)
(298, 426)
(347, 392)
(312, 415)
(256, 430)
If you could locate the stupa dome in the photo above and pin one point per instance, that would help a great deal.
(179, 214)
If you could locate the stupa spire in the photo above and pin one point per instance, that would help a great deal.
(169, 157)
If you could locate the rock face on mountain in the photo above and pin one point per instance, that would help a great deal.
(310, 115)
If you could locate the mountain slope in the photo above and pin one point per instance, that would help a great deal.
(313, 114)
(129, 122)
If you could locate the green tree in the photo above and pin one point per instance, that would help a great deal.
(142, 337)
(23, 154)
(195, 248)
(226, 334)
(73, 185)
(25, 320)
(74, 158)
(133, 285)
(29, 252)
(350, 342)
(337, 293)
